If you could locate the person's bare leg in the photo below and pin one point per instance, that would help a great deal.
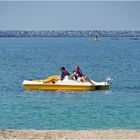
(88, 80)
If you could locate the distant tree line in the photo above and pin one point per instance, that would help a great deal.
(21, 33)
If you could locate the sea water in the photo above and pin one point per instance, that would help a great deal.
(37, 58)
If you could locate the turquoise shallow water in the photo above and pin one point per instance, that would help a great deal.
(36, 58)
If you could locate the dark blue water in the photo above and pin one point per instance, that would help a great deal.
(37, 58)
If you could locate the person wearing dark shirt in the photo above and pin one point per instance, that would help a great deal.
(64, 73)
(77, 74)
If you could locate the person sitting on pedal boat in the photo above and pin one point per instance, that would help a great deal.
(77, 73)
(64, 73)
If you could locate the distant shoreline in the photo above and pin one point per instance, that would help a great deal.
(22, 33)
(70, 134)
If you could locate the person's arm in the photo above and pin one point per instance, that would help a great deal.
(62, 76)
(74, 73)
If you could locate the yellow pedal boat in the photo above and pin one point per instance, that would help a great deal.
(54, 83)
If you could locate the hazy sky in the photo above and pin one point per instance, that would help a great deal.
(70, 15)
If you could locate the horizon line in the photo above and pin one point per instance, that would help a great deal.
(66, 30)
